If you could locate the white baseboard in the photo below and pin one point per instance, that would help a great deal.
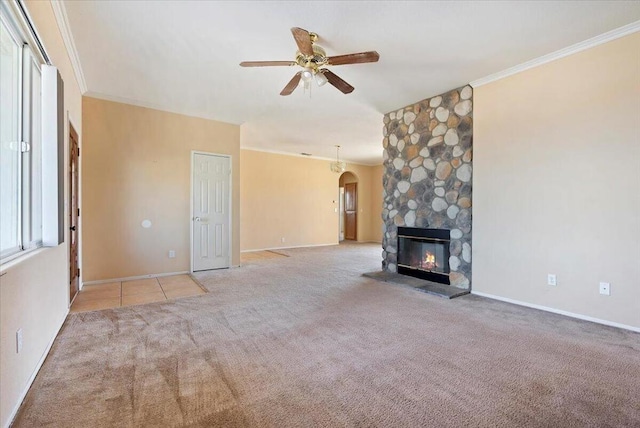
(288, 248)
(557, 311)
(305, 246)
(14, 412)
(210, 270)
(131, 278)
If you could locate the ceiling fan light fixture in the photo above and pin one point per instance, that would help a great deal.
(307, 75)
(321, 79)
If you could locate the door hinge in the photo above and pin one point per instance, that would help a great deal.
(78, 272)
(25, 147)
(78, 212)
(78, 151)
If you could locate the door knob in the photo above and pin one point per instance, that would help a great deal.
(197, 219)
(73, 228)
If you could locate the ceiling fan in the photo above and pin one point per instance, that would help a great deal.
(312, 58)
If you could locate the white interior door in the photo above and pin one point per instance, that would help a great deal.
(211, 211)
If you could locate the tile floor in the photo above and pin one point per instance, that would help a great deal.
(136, 292)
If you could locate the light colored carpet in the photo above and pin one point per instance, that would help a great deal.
(305, 341)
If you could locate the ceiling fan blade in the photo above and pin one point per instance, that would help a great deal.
(266, 63)
(293, 84)
(342, 86)
(356, 58)
(303, 40)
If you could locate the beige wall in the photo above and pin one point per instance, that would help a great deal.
(376, 203)
(137, 165)
(34, 290)
(556, 184)
(296, 198)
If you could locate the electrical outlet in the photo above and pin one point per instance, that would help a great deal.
(172, 254)
(19, 341)
(605, 288)
(552, 280)
(282, 239)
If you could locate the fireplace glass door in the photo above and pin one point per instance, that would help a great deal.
(424, 253)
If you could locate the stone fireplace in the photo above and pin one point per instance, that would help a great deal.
(427, 184)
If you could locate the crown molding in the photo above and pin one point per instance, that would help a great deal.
(128, 101)
(152, 106)
(60, 14)
(298, 155)
(283, 153)
(570, 50)
(136, 103)
(131, 101)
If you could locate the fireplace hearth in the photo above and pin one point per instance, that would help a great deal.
(424, 253)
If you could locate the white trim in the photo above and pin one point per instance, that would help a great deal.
(143, 104)
(53, 169)
(193, 159)
(298, 155)
(20, 12)
(287, 248)
(62, 20)
(14, 259)
(578, 47)
(13, 413)
(131, 278)
(557, 311)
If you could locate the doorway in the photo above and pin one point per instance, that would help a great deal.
(211, 211)
(74, 213)
(348, 207)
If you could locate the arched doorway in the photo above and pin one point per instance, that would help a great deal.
(348, 206)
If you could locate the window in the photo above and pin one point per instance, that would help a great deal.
(20, 140)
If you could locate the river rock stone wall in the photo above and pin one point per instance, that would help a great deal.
(427, 176)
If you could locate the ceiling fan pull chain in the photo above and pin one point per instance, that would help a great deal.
(306, 87)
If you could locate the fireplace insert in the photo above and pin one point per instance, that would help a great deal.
(424, 253)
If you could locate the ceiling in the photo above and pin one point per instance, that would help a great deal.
(183, 56)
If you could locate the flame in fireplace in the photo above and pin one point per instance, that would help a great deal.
(429, 261)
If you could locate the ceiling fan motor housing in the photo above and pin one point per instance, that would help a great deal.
(318, 59)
